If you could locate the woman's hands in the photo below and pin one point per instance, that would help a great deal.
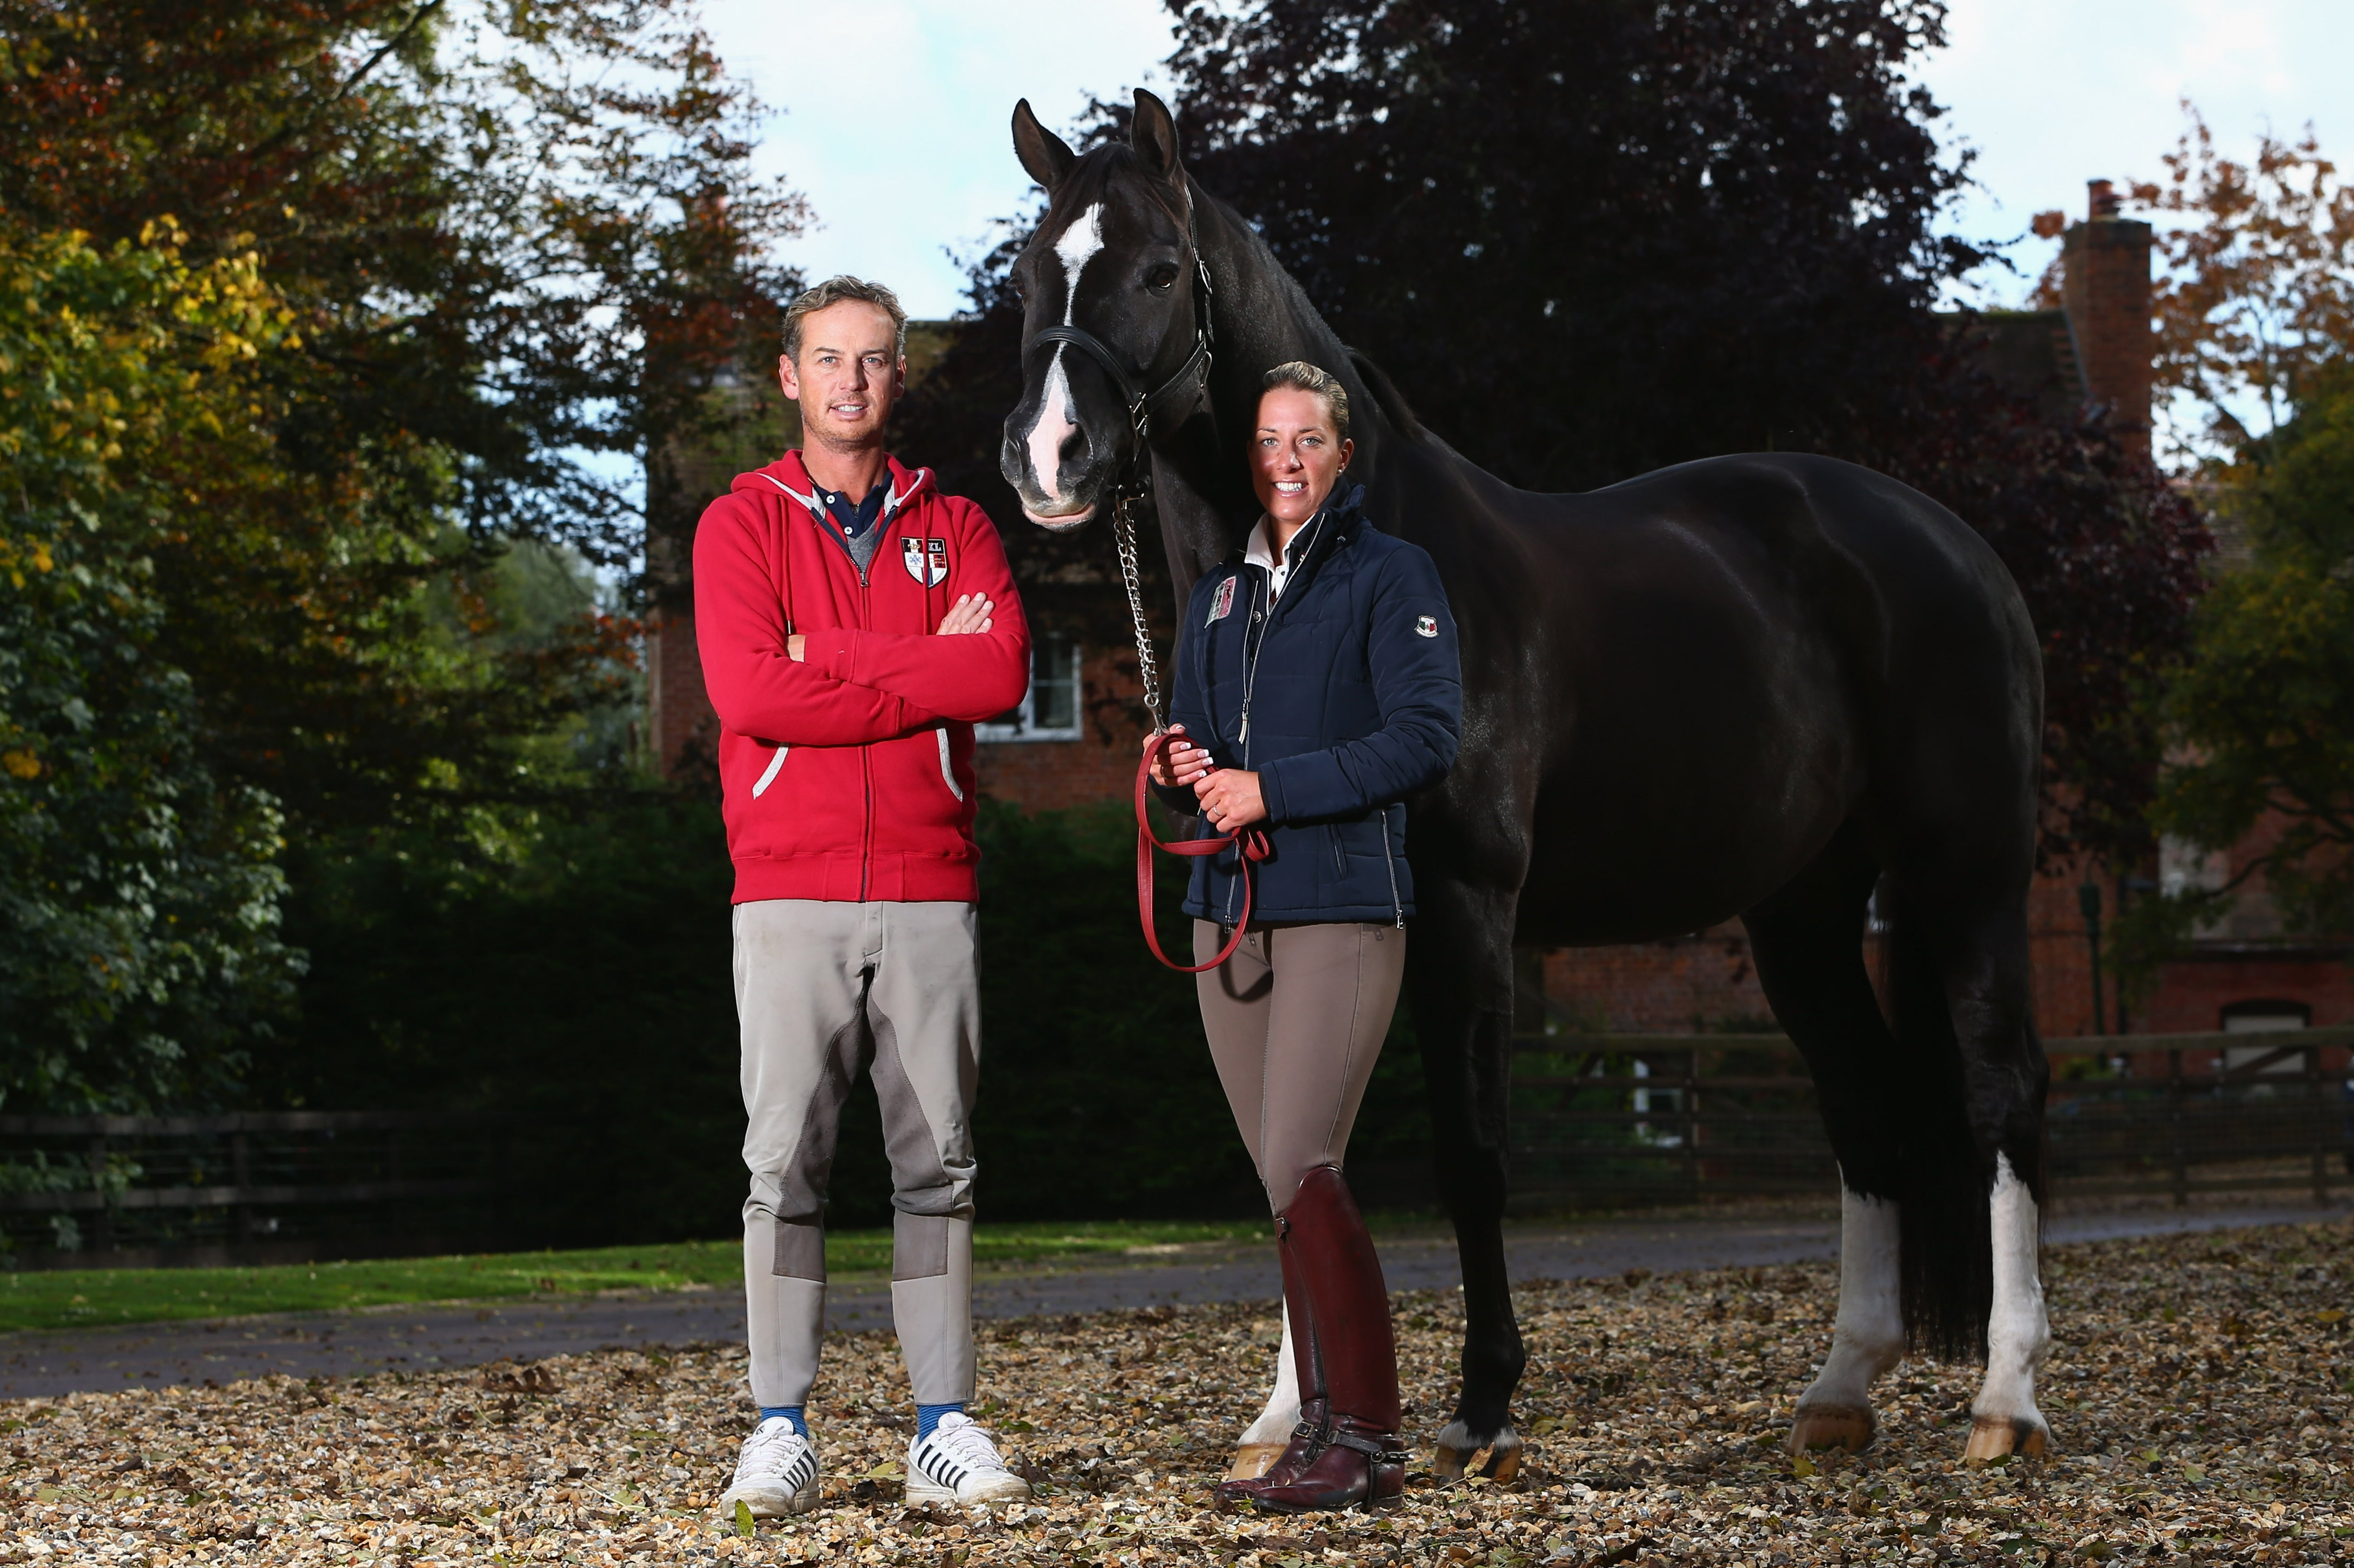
(1182, 764)
(968, 616)
(1228, 797)
(1230, 800)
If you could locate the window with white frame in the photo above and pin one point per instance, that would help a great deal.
(1049, 710)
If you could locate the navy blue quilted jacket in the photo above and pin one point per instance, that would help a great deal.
(1346, 696)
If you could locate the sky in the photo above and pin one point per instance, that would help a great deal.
(906, 184)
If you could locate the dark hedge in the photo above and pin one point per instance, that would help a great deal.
(584, 986)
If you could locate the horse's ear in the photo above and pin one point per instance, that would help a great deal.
(1047, 156)
(1152, 134)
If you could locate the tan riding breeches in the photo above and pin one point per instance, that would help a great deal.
(1295, 1020)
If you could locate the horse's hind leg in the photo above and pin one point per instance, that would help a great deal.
(1459, 977)
(1967, 967)
(1807, 942)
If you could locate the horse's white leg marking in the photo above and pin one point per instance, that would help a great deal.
(1868, 1337)
(2017, 1332)
(1076, 248)
(1282, 1413)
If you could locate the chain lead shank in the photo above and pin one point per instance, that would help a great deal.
(1147, 667)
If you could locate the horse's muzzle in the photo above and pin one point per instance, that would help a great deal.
(1067, 523)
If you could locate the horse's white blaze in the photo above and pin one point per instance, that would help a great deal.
(1053, 429)
(2018, 1333)
(1869, 1336)
(1282, 1413)
(1076, 248)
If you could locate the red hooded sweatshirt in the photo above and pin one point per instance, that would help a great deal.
(848, 775)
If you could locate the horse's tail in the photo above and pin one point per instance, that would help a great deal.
(1947, 1247)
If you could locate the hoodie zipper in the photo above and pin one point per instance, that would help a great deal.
(866, 618)
(866, 755)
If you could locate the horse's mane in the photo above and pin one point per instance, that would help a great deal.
(1386, 396)
(1385, 393)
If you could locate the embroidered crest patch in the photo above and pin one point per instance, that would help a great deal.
(1222, 601)
(927, 560)
(1426, 626)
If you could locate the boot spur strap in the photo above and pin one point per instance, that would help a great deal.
(1372, 1448)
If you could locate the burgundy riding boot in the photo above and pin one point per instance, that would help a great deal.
(1347, 1449)
(1305, 1366)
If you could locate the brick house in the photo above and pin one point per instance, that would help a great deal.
(1073, 741)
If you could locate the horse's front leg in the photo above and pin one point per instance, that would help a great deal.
(1460, 975)
(1263, 1441)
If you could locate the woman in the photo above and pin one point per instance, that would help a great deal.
(1317, 687)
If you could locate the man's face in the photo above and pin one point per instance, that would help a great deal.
(847, 376)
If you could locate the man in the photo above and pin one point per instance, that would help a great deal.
(853, 623)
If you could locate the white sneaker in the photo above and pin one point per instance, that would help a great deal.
(777, 1473)
(958, 1464)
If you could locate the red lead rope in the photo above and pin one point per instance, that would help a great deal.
(1252, 842)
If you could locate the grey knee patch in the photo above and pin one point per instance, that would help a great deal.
(924, 1180)
(801, 1184)
(920, 1246)
(801, 1251)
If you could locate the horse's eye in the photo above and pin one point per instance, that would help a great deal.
(1161, 277)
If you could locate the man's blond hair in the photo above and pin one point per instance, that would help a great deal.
(1315, 379)
(833, 291)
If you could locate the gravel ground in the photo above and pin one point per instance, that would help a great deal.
(2198, 1391)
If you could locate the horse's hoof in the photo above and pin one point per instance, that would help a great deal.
(1994, 1438)
(1830, 1427)
(1459, 1454)
(1253, 1460)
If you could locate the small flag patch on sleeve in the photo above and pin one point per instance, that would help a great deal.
(1426, 626)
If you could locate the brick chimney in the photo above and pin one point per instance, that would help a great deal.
(2106, 292)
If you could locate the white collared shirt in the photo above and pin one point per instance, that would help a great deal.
(1260, 552)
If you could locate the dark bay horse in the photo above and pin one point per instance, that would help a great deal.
(1763, 686)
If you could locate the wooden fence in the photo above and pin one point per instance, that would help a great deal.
(102, 1189)
(1607, 1121)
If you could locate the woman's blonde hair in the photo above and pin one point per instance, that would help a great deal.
(1315, 379)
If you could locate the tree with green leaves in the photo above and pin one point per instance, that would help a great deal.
(140, 953)
(328, 600)
(520, 243)
(2263, 716)
(2256, 329)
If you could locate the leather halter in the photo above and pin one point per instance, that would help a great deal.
(1185, 390)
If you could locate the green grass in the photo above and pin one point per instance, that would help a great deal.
(83, 1299)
